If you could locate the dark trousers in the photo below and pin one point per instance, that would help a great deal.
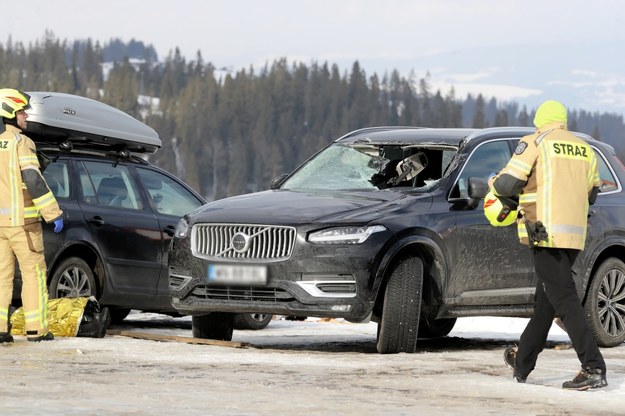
(556, 295)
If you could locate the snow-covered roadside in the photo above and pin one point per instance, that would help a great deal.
(311, 367)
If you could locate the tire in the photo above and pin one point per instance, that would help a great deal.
(605, 303)
(254, 321)
(399, 324)
(437, 328)
(73, 278)
(118, 314)
(216, 325)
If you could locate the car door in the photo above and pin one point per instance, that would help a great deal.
(57, 175)
(126, 231)
(492, 267)
(607, 207)
(170, 199)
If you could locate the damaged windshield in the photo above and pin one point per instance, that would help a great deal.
(357, 166)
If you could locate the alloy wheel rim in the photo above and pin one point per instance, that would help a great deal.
(611, 303)
(73, 283)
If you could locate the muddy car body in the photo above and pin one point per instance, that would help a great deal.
(381, 225)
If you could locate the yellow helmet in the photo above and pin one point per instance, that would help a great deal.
(12, 101)
(500, 211)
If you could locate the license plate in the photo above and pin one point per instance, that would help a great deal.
(237, 274)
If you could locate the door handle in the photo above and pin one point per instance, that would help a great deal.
(97, 221)
(169, 230)
(592, 212)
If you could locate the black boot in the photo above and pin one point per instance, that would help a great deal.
(45, 337)
(509, 357)
(593, 378)
(6, 338)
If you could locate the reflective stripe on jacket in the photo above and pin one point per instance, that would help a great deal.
(559, 171)
(17, 207)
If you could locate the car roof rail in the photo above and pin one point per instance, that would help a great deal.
(118, 154)
(374, 129)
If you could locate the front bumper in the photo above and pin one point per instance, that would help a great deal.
(317, 280)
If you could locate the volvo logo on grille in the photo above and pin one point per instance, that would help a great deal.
(240, 242)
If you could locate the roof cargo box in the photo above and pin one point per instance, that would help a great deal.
(57, 117)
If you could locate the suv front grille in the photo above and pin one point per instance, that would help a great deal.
(242, 242)
(256, 294)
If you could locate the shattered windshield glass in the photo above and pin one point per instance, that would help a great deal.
(362, 167)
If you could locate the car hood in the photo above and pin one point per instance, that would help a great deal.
(296, 207)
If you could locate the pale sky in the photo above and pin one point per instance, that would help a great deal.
(381, 35)
(254, 31)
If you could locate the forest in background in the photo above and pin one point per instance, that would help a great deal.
(229, 132)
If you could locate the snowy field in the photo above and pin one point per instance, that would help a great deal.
(297, 368)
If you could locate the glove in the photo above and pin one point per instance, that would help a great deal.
(58, 225)
(536, 232)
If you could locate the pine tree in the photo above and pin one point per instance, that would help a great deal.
(235, 133)
(596, 134)
(121, 88)
(454, 109)
(501, 119)
(479, 117)
(524, 118)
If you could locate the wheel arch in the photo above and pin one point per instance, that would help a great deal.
(88, 254)
(434, 271)
(607, 250)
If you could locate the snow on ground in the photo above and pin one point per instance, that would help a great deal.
(291, 368)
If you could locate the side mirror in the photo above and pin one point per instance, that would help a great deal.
(477, 189)
(277, 182)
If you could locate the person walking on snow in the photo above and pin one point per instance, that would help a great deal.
(24, 198)
(554, 174)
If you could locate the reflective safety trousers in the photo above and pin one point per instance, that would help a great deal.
(26, 242)
(559, 171)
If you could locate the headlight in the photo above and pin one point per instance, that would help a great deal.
(182, 228)
(344, 235)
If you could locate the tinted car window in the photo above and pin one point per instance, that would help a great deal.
(488, 158)
(168, 196)
(608, 182)
(108, 185)
(57, 178)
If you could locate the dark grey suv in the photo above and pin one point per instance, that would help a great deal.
(382, 224)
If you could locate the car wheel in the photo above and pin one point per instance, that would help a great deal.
(118, 314)
(398, 326)
(71, 279)
(605, 303)
(437, 328)
(252, 320)
(216, 325)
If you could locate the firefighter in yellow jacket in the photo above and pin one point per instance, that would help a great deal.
(24, 199)
(554, 174)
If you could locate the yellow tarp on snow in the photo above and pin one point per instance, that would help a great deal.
(64, 317)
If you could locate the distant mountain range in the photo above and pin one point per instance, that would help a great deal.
(586, 76)
(583, 76)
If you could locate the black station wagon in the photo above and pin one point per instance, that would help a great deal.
(120, 211)
(384, 224)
